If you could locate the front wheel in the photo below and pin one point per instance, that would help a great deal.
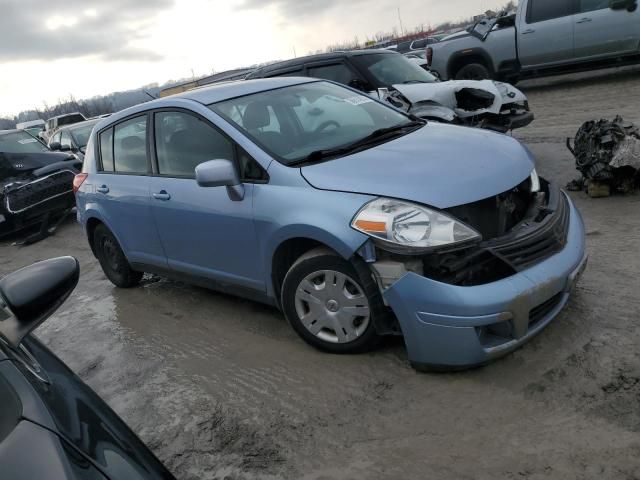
(473, 71)
(329, 305)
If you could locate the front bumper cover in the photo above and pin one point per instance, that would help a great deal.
(444, 325)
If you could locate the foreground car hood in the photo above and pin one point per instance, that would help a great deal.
(439, 165)
(444, 93)
(12, 164)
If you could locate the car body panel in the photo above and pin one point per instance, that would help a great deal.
(87, 432)
(534, 47)
(438, 320)
(606, 32)
(410, 175)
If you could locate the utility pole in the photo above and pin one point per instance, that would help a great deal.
(400, 19)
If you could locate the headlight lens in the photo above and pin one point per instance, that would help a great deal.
(535, 181)
(405, 227)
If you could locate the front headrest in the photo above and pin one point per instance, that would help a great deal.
(256, 116)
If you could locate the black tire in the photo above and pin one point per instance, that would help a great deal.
(112, 259)
(322, 259)
(473, 71)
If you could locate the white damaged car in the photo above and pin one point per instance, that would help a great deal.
(401, 82)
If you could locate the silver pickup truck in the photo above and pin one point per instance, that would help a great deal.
(544, 37)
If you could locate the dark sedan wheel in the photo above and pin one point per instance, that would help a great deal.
(473, 71)
(112, 259)
(329, 305)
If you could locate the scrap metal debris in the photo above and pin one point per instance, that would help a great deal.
(607, 155)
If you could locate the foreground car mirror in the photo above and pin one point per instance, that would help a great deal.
(220, 173)
(55, 146)
(31, 295)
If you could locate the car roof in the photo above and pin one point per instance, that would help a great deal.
(78, 124)
(208, 94)
(295, 62)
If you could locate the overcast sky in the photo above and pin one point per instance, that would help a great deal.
(52, 48)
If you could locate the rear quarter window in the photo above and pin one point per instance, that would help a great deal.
(106, 150)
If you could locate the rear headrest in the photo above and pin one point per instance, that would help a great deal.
(256, 116)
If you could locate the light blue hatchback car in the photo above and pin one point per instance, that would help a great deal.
(353, 218)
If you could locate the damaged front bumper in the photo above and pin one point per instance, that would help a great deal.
(455, 327)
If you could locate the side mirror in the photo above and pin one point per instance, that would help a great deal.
(55, 146)
(220, 173)
(630, 5)
(31, 295)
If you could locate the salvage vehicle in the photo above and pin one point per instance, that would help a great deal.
(33, 127)
(397, 80)
(52, 425)
(36, 185)
(356, 219)
(54, 123)
(543, 37)
(73, 138)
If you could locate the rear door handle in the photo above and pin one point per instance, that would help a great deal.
(162, 195)
(584, 20)
(527, 32)
(102, 189)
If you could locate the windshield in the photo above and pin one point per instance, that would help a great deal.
(20, 142)
(389, 70)
(292, 122)
(82, 133)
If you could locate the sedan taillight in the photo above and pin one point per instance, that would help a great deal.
(78, 180)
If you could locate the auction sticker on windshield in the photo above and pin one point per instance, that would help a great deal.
(358, 100)
(27, 140)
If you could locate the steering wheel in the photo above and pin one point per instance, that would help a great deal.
(324, 125)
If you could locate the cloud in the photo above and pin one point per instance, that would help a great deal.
(54, 29)
(297, 9)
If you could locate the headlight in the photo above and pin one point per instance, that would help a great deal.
(405, 227)
(535, 181)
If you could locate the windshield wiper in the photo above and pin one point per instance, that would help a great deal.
(374, 137)
(409, 82)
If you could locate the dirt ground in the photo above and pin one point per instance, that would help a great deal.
(220, 387)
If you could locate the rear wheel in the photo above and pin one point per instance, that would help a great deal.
(112, 259)
(329, 305)
(473, 71)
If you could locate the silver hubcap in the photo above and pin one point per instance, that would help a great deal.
(332, 306)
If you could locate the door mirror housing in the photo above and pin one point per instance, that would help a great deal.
(32, 294)
(55, 146)
(220, 173)
(630, 5)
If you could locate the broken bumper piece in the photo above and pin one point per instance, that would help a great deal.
(451, 327)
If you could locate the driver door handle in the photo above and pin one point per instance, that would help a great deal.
(162, 195)
(102, 189)
(527, 32)
(584, 20)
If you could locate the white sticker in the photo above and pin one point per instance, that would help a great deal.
(27, 140)
(359, 100)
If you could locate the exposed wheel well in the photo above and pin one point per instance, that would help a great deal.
(285, 256)
(460, 61)
(92, 223)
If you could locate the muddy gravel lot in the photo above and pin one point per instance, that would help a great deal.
(221, 387)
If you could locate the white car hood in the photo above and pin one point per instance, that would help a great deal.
(444, 93)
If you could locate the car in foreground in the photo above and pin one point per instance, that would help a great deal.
(397, 80)
(52, 425)
(36, 185)
(354, 218)
(73, 138)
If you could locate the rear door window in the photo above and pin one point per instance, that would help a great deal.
(542, 10)
(592, 5)
(106, 150)
(130, 146)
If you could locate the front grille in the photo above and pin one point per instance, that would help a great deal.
(39, 191)
(538, 313)
(533, 247)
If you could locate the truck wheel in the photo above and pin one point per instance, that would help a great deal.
(329, 305)
(112, 259)
(473, 71)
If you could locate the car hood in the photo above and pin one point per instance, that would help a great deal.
(12, 164)
(444, 93)
(439, 165)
